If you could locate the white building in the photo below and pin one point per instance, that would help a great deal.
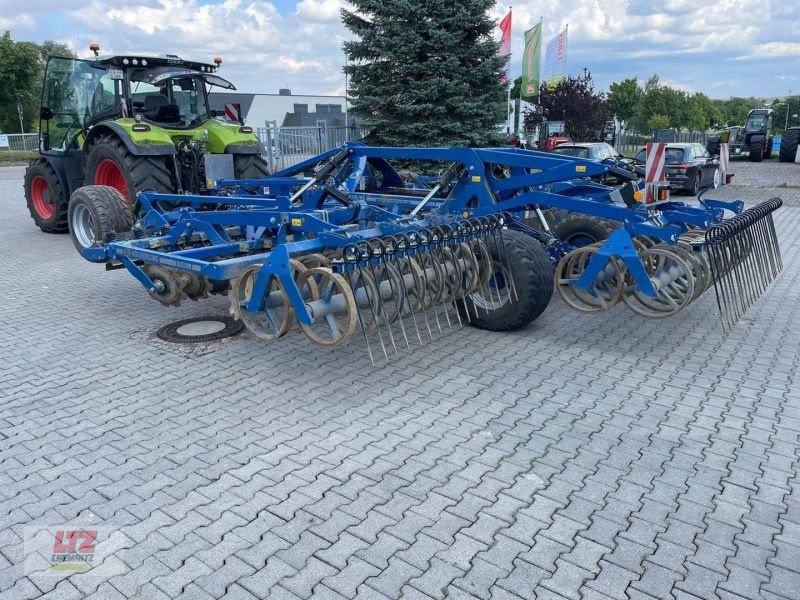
(284, 108)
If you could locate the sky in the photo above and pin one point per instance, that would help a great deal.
(720, 47)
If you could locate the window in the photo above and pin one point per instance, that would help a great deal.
(572, 151)
(78, 93)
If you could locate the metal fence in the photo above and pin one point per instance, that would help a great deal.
(21, 142)
(631, 142)
(287, 146)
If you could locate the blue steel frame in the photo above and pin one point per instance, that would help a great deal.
(259, 222)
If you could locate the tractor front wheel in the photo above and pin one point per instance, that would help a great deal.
(94, 211)
(46, 197)
(519, 290)
(110, 163)
(250, 166)
(756, 152)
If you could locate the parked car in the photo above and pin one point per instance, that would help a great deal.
(689, 167)
(590, 150)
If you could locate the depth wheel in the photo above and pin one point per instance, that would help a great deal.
(332, 329)
(662, 265)
(273, 319)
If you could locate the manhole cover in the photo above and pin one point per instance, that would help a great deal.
(200, 329)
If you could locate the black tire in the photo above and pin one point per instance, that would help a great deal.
(580, 230)
(45, 196)
(532, 274)
(789, 142)
(250, 166)
(713, 145)
(94, 211)
(697, 183)
(755, 152)
(140, 173)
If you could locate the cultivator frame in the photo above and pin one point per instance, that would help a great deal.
(341, 242)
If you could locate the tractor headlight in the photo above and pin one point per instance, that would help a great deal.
(125, 61)
(134, 62)
(144, 62)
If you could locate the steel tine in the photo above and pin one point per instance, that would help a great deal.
(442, 283)
(403, 243)
(711, 250)
(379, 300)
(372, 307)
(421, 296)
(500, 255)
(486, 228)
(425, 240)
(448, 244)
(382, 304)
(358, 313)
(388, 246)
(376, 311)
(508, 258)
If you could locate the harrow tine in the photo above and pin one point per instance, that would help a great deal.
(745, 259)
(360, 320)
(454, 282)
(388, 248)
(402, 243)
(425, 240)
(365, 254)
(503, 221)
(441, 291)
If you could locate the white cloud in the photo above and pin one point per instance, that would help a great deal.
(695, 43)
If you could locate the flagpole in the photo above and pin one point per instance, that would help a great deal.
(509, 127)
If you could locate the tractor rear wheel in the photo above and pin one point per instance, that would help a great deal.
(250, 166)
(94, 211)
(789, 142)
(756, 152)
(46, 198)
(111, 163)
(516, 258)
(579, 230)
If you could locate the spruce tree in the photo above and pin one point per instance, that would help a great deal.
(425, 72)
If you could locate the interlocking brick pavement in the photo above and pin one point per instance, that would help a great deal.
(605, 457)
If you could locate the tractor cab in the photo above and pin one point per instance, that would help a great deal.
(133, 123)
(166, 91)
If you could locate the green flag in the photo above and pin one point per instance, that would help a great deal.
(531, 62)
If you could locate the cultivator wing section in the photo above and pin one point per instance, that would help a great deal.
(738, 257)
(345, 247)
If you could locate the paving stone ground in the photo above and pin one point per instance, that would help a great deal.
(605, 457)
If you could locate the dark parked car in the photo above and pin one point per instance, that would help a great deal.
(589, 150)
(689, 167)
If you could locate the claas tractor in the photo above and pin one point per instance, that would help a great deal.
(133, 123)
(754, 140)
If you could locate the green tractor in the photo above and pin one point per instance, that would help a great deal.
(754, 140)
(133, 123)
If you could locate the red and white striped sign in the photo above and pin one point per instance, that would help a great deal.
(654, 172)
(233, 112)
(724, 158)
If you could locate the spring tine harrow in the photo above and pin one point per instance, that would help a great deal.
(745, 259)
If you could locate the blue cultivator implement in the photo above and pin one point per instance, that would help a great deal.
(342, 243)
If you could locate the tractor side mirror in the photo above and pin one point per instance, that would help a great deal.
(45, 139)
(45, 114)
